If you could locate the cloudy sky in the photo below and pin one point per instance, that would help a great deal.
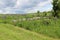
(24, 6)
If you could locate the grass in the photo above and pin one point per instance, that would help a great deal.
(48, 27)
(10, 32)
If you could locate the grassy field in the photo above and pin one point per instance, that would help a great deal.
(10, 32)
(45, 28)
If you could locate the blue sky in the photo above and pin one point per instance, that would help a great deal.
(24, 6)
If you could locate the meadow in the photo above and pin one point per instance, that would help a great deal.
(11, 32)
(42, 24)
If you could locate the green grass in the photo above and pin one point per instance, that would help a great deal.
(45, 26)
(51, 29)
(10, 32)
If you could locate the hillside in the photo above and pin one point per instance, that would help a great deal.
(10, 32)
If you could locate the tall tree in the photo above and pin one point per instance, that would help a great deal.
(55, 8)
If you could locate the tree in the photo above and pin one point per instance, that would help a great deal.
(55, 8)
(38, 13)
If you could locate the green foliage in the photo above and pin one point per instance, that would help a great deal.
(56, 8)
(47, 27)
(38, 12)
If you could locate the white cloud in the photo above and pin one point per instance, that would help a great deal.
(1, 11)
(23, 6)
(20, 3)
(40, 6)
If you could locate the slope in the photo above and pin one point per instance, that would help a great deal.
(10, 32)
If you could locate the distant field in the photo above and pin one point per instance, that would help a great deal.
(10, 32)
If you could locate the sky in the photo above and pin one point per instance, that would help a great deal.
(24, 6)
